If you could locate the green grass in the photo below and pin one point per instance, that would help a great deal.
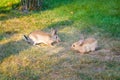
(7, 5)
(73, 19)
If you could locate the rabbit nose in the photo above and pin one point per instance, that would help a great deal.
(59, 40)
(71, 48)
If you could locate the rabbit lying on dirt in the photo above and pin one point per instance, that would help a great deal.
(84, 46)
(37, 37)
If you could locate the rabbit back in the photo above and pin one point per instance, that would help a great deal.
(90, 46)
(40, 37)
(89, 41)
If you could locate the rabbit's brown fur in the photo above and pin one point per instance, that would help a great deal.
(84, 46)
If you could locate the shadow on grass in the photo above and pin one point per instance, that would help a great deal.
(12, 14)
(12, 48)
(60, 24)
(50, 4)
(7, 34)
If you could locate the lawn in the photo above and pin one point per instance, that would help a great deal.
(74, 20)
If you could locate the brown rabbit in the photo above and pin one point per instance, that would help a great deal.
(84, 46)
(37, 37)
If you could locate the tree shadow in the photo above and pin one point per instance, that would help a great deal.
(59, 25)
(50, 4)
(7, 34)
(12, 14)
(12, 48)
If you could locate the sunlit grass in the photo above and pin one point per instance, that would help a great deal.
(74, 20)
(7, 5)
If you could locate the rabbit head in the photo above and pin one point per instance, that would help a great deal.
(54, 36)
(76, 45)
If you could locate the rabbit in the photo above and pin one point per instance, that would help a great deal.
(37, 37)
(84, 46)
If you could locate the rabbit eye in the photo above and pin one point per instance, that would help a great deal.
(56, 37)
(73, 45)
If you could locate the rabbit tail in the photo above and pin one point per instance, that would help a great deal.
(26, 38)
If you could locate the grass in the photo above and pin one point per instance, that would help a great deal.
(7, 5)
(74, 20)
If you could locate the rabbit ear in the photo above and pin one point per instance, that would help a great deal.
(53, 32)
(80, 42)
